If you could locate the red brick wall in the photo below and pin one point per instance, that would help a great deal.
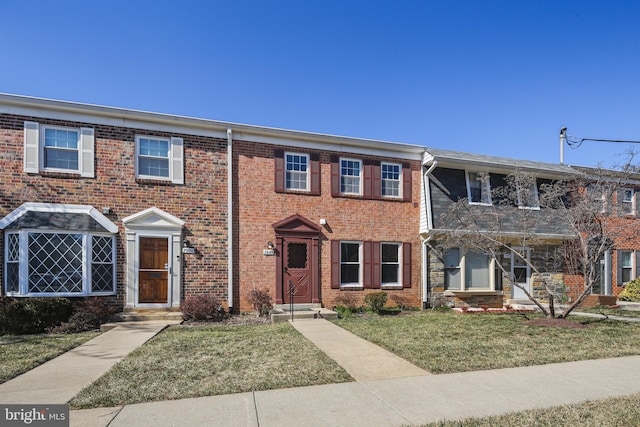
(201, 202)
(258, 206)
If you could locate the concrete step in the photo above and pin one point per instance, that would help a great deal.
(279, 315)
(130, 315)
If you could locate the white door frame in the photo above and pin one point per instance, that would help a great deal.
(137, 270)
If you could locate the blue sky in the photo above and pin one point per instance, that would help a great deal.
(490, 77)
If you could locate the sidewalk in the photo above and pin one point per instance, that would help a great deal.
(389, 402)
(60, 379)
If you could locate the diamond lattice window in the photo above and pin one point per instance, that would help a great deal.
(102, 264)
(55, 263)
(13, 262)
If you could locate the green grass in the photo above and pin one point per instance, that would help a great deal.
(448, 342)
(618, 411)
(184, 361)
(18, 354)
(612, 311)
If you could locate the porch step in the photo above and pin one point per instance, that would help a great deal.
(134, 315)
(280, 315)
(297, 307)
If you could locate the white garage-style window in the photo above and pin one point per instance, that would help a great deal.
(59, 250)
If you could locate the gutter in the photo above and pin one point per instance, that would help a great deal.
(425, 260)
(230, 217)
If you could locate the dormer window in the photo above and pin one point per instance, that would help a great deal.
(478, 188)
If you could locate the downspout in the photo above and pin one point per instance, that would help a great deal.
(230, 217)
(425, 251)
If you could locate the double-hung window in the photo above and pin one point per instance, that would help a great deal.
(390, 264)
(159, 158)
(528, 195)
(350, 176)
(391, 179)
(350, 264)
(296, 171)
(625, 267)
(478, 188)
(628, 201)
(58, 149)
(468, 270)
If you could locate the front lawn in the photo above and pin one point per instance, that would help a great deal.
(611, 311)
(20, 353)
(448, 342)
(192, 361)
(612, 412)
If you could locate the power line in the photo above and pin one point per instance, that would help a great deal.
(574, 142)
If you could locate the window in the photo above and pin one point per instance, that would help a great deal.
(391, 179)
(350, 176)
(350, 263)
(625, 267)
(159, 159)
(58, 250)
(296, 171)
(370, 265)
(467, 270)
(56, 263)
(528, 196)
(478, 188)
(58, 149)
(628, 201)
(390, 264)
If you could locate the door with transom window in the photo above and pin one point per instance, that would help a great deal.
(153, 270)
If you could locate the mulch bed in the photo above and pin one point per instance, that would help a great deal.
(556, 323)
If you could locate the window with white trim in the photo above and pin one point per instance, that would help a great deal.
(467, 270)
(296, 171)
(628, 201)
(159, 158)
(59, 263)
(49, 148)
(350, 263)
(478, 188)
(390, 262)
(528, 196)
(350, 174)
(625, 267)
(391, 179)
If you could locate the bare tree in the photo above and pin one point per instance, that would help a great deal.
(589, 209)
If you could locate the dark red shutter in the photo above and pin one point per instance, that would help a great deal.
(376, 268)
(406, 265)
(367, 184)
(407, 196)
(279, 171)
(335, 264)
(366, 265)
(376, 189)
(335, 176)
(315, 173)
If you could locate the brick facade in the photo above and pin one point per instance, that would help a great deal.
(201, 201)
(259, 206)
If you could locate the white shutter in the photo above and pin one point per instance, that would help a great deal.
(87, 148)
(31, 147)
(177, 161)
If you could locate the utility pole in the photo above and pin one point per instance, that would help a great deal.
(563, 135)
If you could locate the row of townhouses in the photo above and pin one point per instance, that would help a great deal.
(145, 209)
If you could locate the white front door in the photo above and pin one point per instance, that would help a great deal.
(520, 274)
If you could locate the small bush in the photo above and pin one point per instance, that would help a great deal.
(202, 307)
(348, 300)
(401, 301)
(21, 316)
(376, 301)
(261, 301)
(88, 314)
(631, 291)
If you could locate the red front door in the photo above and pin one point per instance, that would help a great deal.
(153, 274)
(296, 276)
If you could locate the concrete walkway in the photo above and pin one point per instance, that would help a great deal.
(362, 359)
(389, 402)
(60, 379)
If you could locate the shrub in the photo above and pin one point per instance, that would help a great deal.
(348, 300)
(261, 301)
(202, 307)
(21, 316)
(376, 301)
(88, 314)
(631, 291)
(401, 301)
